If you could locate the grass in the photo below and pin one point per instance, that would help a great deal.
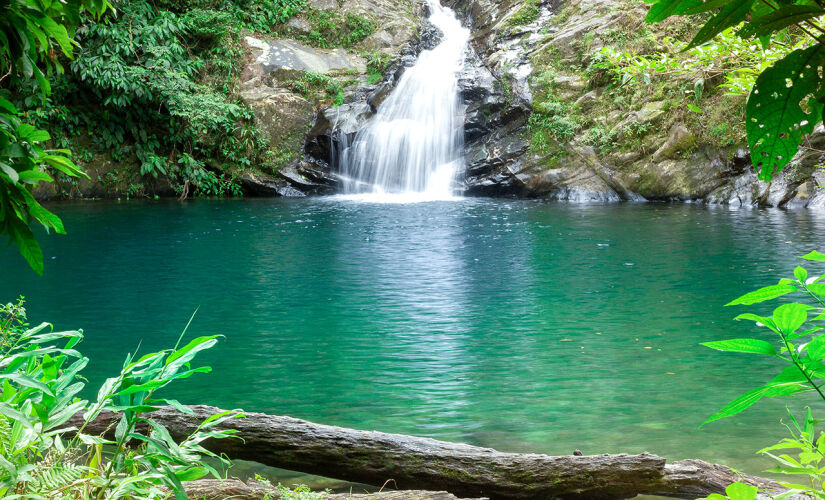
(320, 88)
(376, 64)
(331, 28)
(526, 15)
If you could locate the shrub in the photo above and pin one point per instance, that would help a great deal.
(41, 383)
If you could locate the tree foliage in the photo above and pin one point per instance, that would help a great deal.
(785, 102)
(33, 37)
(150, 81)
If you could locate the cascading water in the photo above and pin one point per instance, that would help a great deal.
(412, 148)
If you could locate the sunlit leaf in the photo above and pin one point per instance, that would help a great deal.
(739, 404)
(814, 255)
(741, 491)
(763, 294)
(755, 346)
(789, 317)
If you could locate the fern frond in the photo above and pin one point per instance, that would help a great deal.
(5, 437)
(56, 478)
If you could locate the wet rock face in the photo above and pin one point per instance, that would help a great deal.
(798, 186)
(336, 127)
(496, 112)
(282, 116)
(293, 122)
(274, 55)
(430, 36)
(670, 163)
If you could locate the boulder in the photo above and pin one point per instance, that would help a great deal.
(588, 100)
(679, 139)
(283, 116)
(574, 184)
(264, 185)
(281, 54)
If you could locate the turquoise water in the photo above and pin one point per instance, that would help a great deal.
(519, 325)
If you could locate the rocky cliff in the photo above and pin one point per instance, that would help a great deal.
(542, 54)
(534, 59)
(543, 118)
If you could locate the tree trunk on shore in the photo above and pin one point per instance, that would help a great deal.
(213, 489)
(413, 463)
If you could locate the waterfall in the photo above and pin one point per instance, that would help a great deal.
(411, 150)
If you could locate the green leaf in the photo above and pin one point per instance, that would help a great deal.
(7, 106)
(192, 473)
(741, 491)
(785, 389)
(816, 348)
(48, 219)
(752, 317)
(219, 417)
(731, 14)
(27, 244)
(814, 255)
(38, 136)
(87, 439)
(58, 33)
(12, 173)
(777, 20)
(189, 350)
(789, 374)
(148, 386)
(775, 121)
(789, 317)
(663, 9)
(694, 108)
(26, 381)
(739, 404)
(34, 176)
(784, 445)
(800, 273)
(178, 406)
(706, 6)
(763, 294)
(755, 346)
(45, 86)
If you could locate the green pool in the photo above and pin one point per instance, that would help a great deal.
(520, 325)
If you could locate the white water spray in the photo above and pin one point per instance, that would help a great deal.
(411, 150)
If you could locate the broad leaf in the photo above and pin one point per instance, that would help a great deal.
(776, 120)
(663, 9)
(763, 294)
(814, 255)
(816, 348)
(731, 14)
(787, 15)
(739, 404)
(789, 317)
(29, 249)
(741, 491)
(743, 345)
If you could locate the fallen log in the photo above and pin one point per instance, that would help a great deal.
(413, 463)
(213, 489)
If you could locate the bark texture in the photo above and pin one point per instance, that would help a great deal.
(212, 489)
(414, 463)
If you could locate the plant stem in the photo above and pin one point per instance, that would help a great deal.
(799, 366)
